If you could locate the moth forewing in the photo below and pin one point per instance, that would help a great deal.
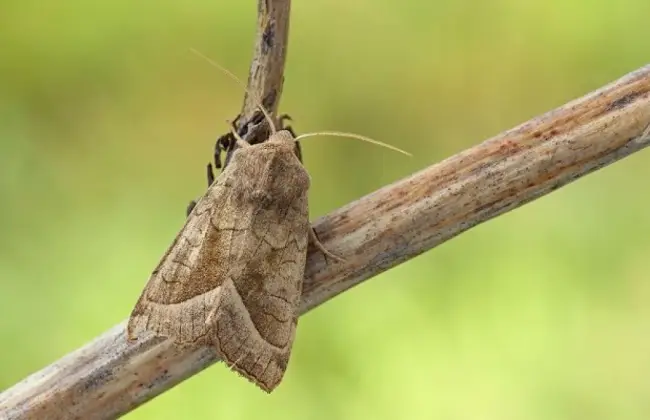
(233, 276)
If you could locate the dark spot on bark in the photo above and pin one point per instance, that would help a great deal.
(268, 38)
(163, 377)
(624, 101)
(269, 100)
(97, 379)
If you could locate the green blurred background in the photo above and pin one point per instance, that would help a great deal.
(107, 121)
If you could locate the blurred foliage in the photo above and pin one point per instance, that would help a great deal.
(107, 121)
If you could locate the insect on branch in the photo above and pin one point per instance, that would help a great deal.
(109, 377)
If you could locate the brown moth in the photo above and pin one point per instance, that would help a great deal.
(232, 278)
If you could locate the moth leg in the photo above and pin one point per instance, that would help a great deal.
(240, 142)
(210, 175)
(281, 120)
(223, 143)
(236, 120)
(321, 247)
(189, 208)
(297, 150)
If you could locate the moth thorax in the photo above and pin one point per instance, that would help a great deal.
(282, 137)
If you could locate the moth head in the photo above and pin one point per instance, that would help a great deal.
(282, 137)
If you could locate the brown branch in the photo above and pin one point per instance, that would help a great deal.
(266, 74)
(109, 376)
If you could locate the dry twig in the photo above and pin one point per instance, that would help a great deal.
(109, 377)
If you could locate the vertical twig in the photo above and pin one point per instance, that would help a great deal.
(266, 74)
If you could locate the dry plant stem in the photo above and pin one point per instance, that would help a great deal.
(109, 377)
(266, 75)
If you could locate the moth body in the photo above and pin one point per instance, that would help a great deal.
(232, 278)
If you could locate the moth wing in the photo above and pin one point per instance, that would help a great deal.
(257, 312)
(185, 286)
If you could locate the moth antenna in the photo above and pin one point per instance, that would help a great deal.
(353, 136)
(240, 83)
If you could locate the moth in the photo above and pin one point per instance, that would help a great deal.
(232, 278)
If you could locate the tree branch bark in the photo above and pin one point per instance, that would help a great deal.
(266, 74)
(109, 377)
